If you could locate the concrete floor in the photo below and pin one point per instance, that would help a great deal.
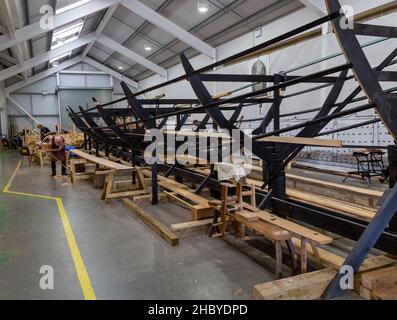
(123, 258)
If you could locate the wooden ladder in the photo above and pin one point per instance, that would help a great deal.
(227, 206)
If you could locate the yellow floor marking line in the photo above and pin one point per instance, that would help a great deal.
(79, 265)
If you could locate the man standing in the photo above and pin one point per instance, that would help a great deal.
(57, 153)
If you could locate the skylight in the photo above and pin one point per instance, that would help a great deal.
(66, 35)
(71, 6)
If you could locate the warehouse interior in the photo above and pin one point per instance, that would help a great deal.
(198, 150)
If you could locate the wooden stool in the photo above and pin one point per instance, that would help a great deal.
(27, 153)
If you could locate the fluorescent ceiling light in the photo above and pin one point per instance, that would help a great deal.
(120, 67)
(147, 47)
(71, 6)
(203, 7)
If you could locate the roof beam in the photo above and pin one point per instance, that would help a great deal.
(101, 26)
(42, 75)
(8, 58)
(131, 55)
(19, 107)
(9, 72)
(6, 10)
(110, 72)
(318, 6)
(170, 27)
(34, 30)
(3, 29)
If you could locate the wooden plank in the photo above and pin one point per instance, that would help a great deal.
(294, 228)
(102, 172)
(152, 223)
(385, 293)
(116, 195)
(304, 141)
(185, 193)
(380, 278)
(192, 228)
(325, 202)
(268, 230)
(175, 197)
(195, 134)
(162, 179)
(345, 187)
(248, 216)
(308, 286)
(102, 162)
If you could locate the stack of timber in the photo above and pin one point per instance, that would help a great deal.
(379, 284)
(311, 286)
(364, 197)
(327, 202)
(354, 195)
(345, 199)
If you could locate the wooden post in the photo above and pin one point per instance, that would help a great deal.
(303, 255)
(155, 187)
(279, 259)
(224, 195)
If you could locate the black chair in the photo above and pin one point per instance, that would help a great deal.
(369, 164)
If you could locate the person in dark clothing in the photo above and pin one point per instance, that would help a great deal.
(44, 131)
(57, 153)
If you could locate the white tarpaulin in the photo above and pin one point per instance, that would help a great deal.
(227, 171)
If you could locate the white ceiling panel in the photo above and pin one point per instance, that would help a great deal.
(157, 34)
(249, 7)
(117, 31)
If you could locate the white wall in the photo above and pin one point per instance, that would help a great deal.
(44, 107)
